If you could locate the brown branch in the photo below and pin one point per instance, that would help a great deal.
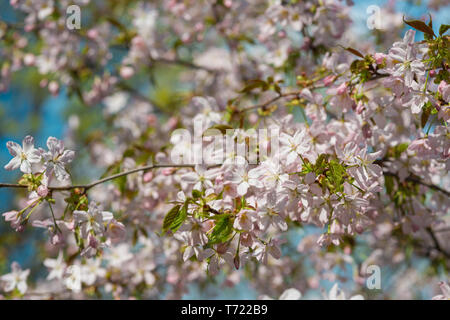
(100, 181)
(267, 103)
(418, 181)
(436, 243)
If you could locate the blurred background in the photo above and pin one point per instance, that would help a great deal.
(28, 109)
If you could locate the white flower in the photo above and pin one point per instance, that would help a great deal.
(57, 267)
(16, 279)
(200, 177)
(405, 53)
(244, 179)
(91, 271)
(337, 294)
(271, 173)
(288, 294)
(73, 280)
(293, 146)
(23, 156)
(92, 220)
(445, 288)
(117, 255)
(57, 159)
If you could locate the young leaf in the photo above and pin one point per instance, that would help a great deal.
(196, 194)
(222, 230)
(336, 174)
(175, 218)
(443, 29)
(389, 183)
(419, 25)
(355, 52)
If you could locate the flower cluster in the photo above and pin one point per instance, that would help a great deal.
(285, 154)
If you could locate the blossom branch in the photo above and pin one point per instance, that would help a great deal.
(106, 179)
(436, 243)
(418, 181)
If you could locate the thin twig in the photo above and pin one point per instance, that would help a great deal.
(436, 243)
(267, 103)
(418, 181)
(106, 179)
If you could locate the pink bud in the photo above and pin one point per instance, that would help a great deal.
(152, 120)
(56, 239)
(10, 215)
(148, 177)
(253, 118)
(432, 73)
(29, 59)
(43, 83)
(42, 191)
(237, 262)
(342, 88)
(53, 87)
(126, 72)
(379, 57)
(168, 171)
(92, 33)
(360, 107)
(328, 80)
(282, 34)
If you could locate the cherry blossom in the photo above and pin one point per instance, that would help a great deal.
(271, 142)
(17, 279)
(24, 156)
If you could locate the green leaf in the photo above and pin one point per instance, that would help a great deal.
(222, 230)
(336, 174)
(389, 183)
(320, 164)
(443, 29)
(175, 218)
(399, 149)
(196, 194)
(419, 25)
